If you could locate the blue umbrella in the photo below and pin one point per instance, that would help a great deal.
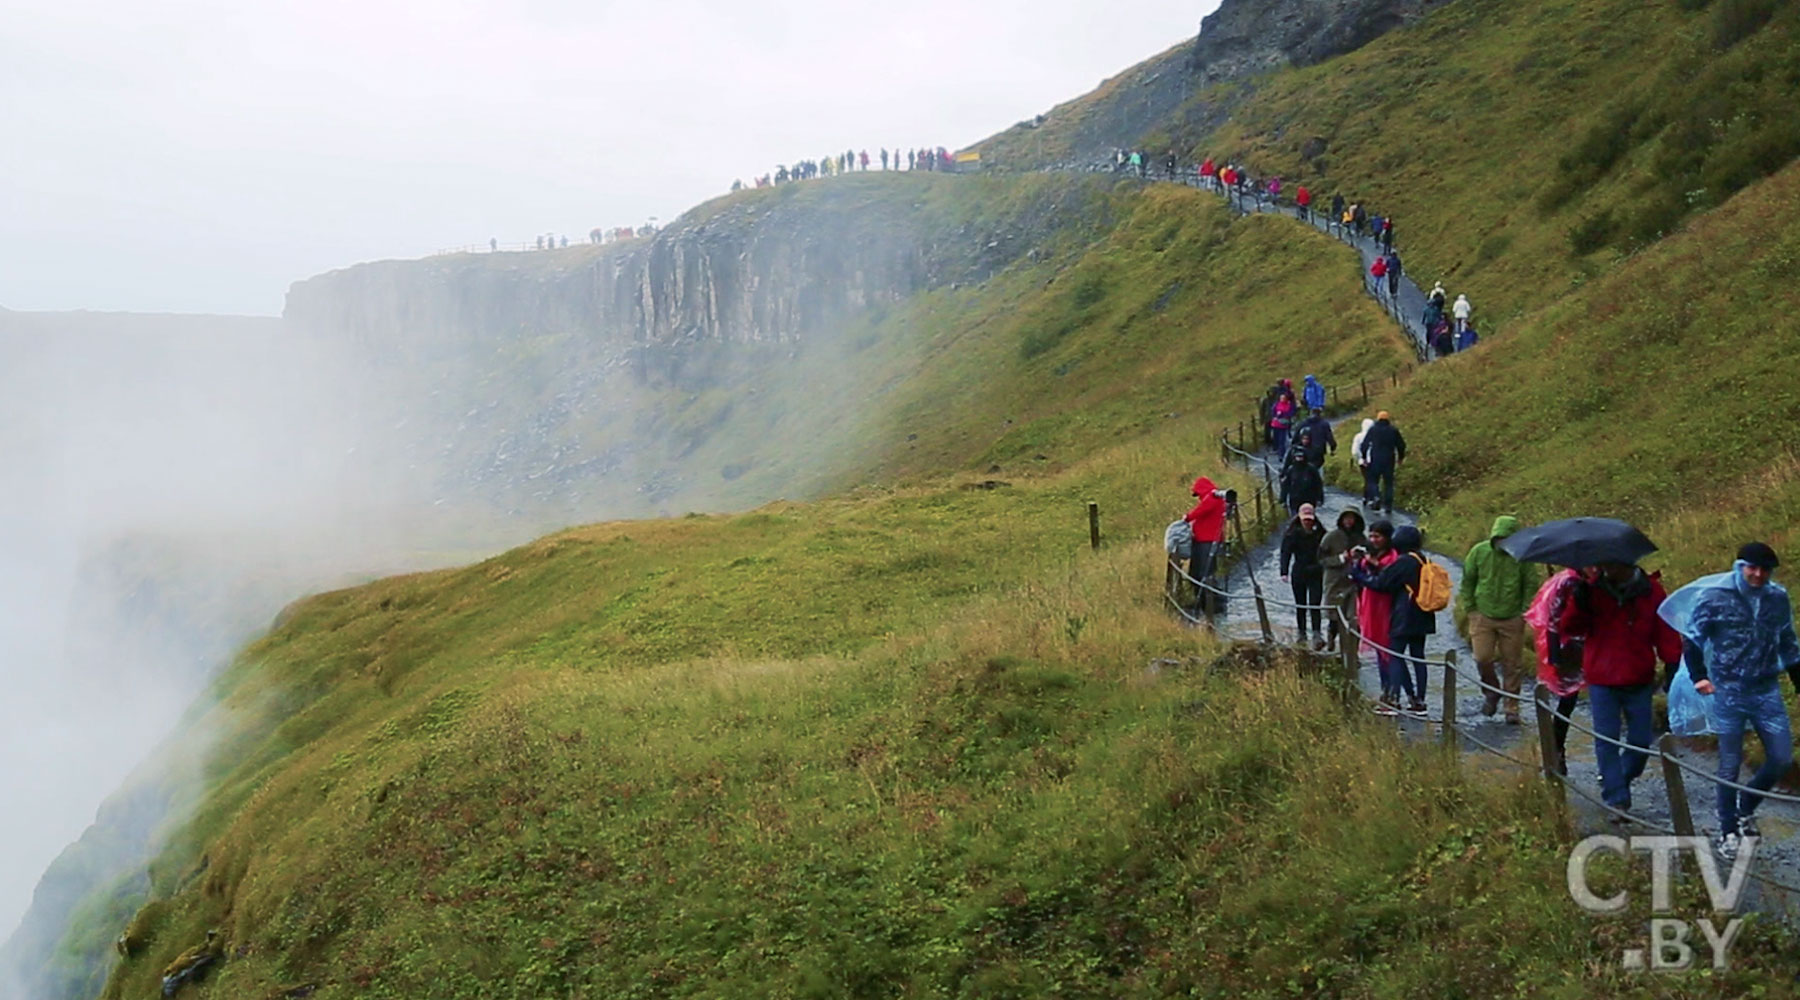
(1578, 541)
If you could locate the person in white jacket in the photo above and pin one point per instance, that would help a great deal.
(1356, 450)
(1461, 311)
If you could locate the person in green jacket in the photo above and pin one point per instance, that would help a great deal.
(1496, 590)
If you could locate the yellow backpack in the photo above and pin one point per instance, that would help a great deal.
(1433, 592)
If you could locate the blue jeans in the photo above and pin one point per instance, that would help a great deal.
(1280, 437)
(1757, 704)
(1381, 485)
(1395, 677)
(1610, 704)
(1412, 681)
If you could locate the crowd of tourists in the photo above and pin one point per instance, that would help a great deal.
(852, 161)
(1600, 623)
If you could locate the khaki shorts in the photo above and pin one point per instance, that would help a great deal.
(1496, 640)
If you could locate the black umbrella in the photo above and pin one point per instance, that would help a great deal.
(1578, 541)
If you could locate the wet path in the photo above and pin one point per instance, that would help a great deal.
(1777, 857)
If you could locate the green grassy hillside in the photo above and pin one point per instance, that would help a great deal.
(904, 741)
(1659, 392)
(900, 742)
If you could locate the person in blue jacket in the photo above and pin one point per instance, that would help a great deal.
(1312, 394)
(1738, 637)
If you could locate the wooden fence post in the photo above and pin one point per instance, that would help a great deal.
(1450, 699)
(1547, 737)
(1365, 390)
(1241, 446)
(1678, 800)
(1352, 666)
(1257, 496)
(1094, 525)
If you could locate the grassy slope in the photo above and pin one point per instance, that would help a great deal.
(1660, 392)
(899, 742)
(903, 745)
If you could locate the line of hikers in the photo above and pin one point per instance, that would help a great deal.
(849, 161)
(1378, 449)
(1448, 326)
(1723, 640)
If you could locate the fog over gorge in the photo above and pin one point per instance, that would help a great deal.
(176, 476)
(172, 482)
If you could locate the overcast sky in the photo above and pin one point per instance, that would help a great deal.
(200, 155)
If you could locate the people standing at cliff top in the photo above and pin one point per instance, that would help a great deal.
(865, 159)
(494, 243)
(540, 243)
(884, 160)
(911, 160)
(1461, 311)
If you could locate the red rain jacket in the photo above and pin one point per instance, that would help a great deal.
(1208, 516)
(1623, 642)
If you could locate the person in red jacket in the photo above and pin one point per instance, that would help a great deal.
(1208, 521)
(1614, 606)
(1208, 171)
(1303, 200)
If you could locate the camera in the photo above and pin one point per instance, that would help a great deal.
(1229, 496)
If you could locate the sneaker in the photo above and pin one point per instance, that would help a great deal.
(1319, 644)
(1726, 846)
(1388, 705)
(1416, 707)
(1747, 827)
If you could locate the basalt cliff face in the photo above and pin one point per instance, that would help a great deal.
(605, 380)
(763, 269)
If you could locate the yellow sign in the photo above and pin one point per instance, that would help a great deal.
(969, 157)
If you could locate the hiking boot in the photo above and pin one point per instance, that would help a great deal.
(1320, 645)
(1490, 703)
(1725, 845)
(1747, 827)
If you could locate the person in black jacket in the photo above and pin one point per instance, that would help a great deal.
(1383, 449)
(1301, 569)
(1323, 439)
(1408, 624)
(1300, 482)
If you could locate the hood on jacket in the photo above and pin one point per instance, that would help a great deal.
(1351, 512)
(1408, 539)
(1203, 487)
(1504, 525)
(1367, 423)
